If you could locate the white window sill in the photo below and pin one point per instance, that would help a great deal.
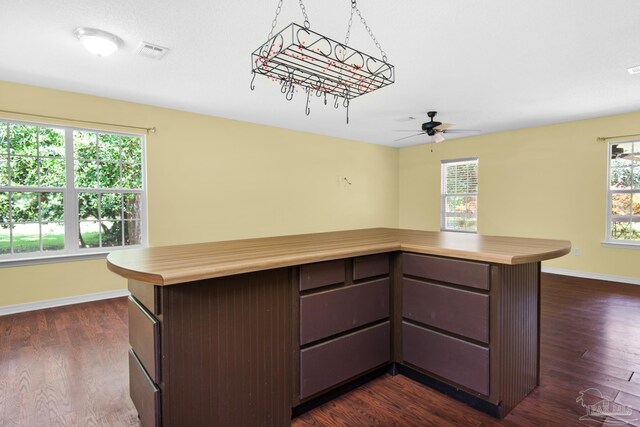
(52, 259)
(620, 245)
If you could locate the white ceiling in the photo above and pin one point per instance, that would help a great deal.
(492, 65)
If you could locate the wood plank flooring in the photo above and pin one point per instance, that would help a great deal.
(67, 366)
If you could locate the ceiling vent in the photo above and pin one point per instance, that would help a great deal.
(151, 50)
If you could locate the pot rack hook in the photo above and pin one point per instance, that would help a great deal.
(289, 95)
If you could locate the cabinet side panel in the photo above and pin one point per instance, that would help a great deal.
(518, 306)
(227, 351)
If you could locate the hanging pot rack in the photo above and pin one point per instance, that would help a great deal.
(297, 57)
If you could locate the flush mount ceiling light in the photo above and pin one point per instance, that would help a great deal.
(297, 57)
(98, 42)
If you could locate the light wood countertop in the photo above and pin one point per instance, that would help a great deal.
(169, 265)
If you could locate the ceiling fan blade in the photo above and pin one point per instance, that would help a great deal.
(404, 130)
(410, 136)
(461, 131)
(444, 126)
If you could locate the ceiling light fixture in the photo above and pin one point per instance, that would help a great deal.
(98, 42)
(299, 57)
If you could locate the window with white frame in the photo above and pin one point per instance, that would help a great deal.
(623, 195)
(459, 195)
(66, 191)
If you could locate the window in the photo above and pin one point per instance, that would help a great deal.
(67, 191)
(623, 195)
(459, 200)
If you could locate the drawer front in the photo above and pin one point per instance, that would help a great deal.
(335, 361)
(144, 338)
(147, 294)
(370, 266)
(459, 311)
(321, 274)
(338, 310)
(453, 359)
(144, 393)
(459, 272)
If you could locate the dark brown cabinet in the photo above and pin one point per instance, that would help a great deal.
(214, 352)
(145, 394)
(344, 326)
(472, 326)
(444, 311)
(459, 311)
(248, 349)
(324, 365)
(144, 354)
(451, 359)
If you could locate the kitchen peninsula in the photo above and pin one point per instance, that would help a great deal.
(249, 332)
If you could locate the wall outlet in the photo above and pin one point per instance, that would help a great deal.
(575, 251)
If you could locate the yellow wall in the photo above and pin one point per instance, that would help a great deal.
(546, 182)
(216, 179)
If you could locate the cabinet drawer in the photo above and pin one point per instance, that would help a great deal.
(321, 274)
(144, 393)
(147, 294)
(144, 338)
(327, 313)
(344, 358)
(370, 266)
(453, 359)
(459, 272)
(459, 311)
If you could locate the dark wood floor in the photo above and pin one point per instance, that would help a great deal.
(68, 367)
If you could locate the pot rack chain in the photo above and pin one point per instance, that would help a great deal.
(354, 8)
(307, 24)
(275, 20)
(366, 26)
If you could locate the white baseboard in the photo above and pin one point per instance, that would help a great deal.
(587, 275)
(39, 305)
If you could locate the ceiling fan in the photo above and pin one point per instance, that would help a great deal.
(435, 129)
(619, 153)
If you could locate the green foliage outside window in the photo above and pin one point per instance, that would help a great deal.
(33, 181)
(624, 191)
(459, 195)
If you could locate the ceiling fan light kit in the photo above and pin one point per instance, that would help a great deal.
(297, 57)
